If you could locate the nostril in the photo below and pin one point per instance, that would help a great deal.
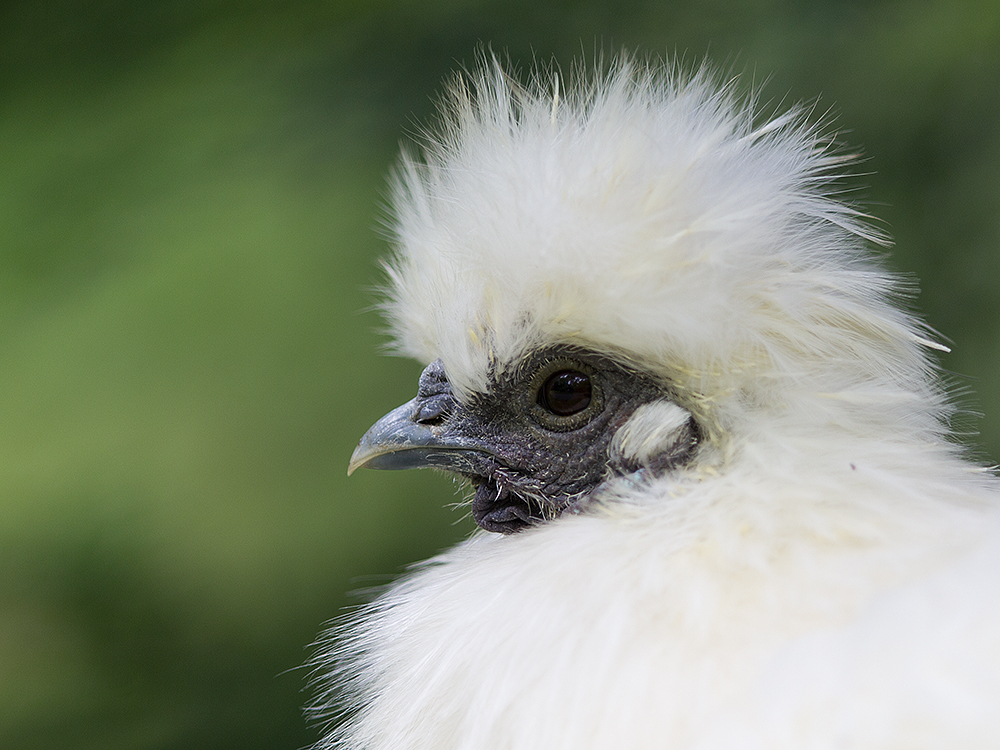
(433, 380)
(433, 411)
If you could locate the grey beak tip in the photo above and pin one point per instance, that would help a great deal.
(364, 453)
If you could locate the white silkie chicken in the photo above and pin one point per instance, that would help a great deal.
(709, 452)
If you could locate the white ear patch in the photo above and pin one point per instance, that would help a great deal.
(655, 437)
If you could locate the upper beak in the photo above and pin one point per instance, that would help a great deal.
(398, 441)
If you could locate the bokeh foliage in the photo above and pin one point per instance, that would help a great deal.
(189, 211)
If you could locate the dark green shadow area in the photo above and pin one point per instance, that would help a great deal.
(189, 207)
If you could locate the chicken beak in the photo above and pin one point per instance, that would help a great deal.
(397, 441)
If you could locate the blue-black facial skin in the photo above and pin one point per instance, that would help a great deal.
(533, 445)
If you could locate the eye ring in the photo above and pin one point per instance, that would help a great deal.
(564, 395)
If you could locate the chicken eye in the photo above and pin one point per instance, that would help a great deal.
(565, 393)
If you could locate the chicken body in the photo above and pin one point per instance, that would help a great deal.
(709, 452)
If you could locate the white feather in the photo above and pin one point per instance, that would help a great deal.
(652, 430)
(826, 574)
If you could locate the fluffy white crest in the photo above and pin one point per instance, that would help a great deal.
(656, 216)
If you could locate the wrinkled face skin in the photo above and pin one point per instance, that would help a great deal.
(534, 445)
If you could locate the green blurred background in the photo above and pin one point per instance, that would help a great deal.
(189, 203)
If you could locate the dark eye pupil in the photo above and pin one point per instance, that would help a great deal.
(565, 393)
